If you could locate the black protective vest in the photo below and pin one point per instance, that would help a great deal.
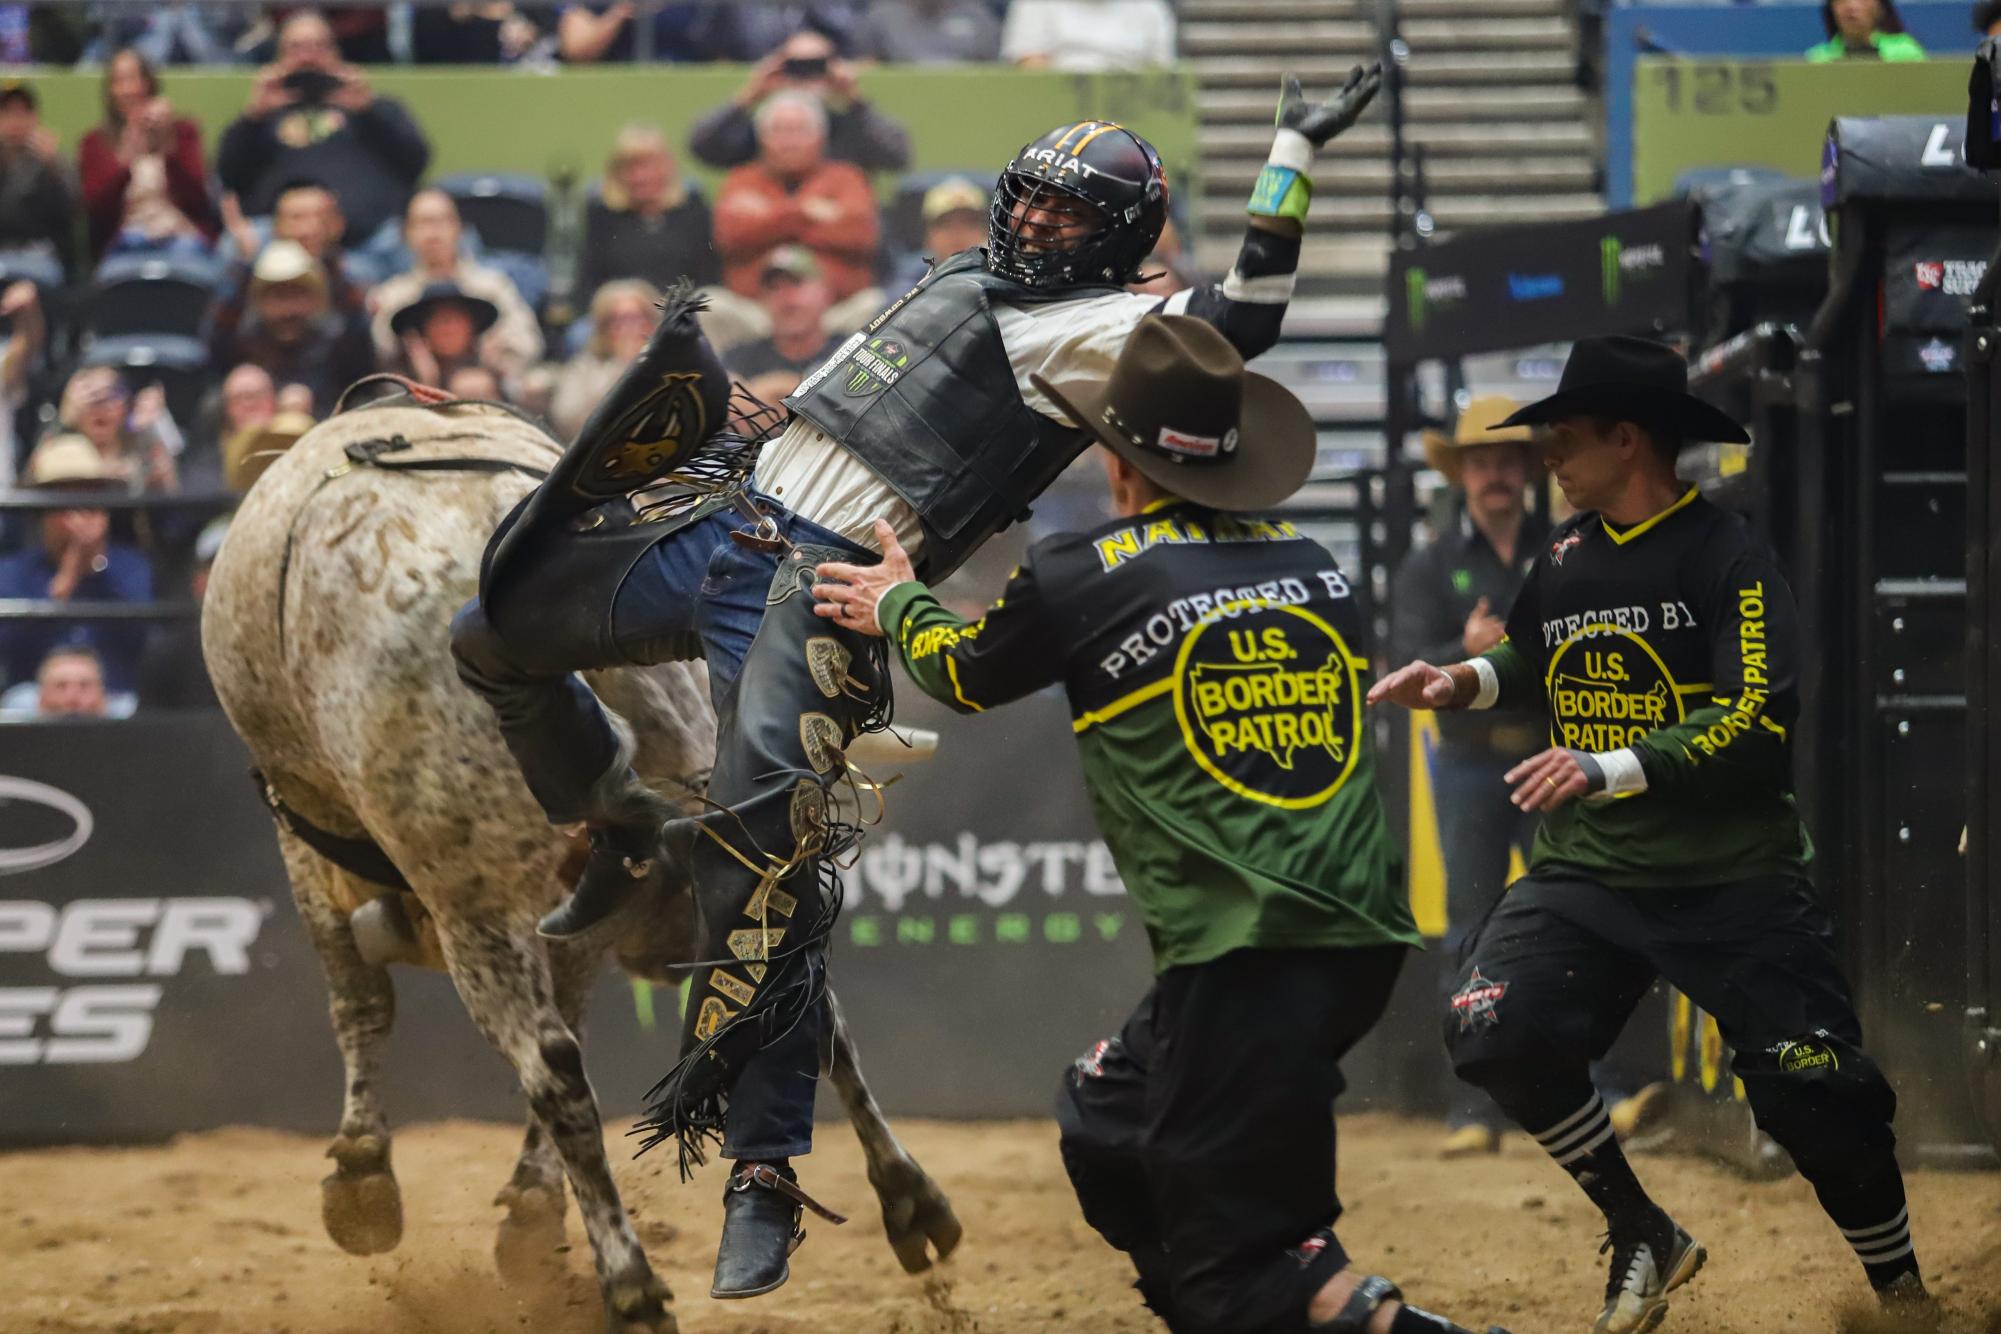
(924, 395)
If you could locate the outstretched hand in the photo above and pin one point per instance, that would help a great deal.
(847, 594)
(1321, 122)
(1544, 782)
(1418, 685)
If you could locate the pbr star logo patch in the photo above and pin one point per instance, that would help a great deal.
(1561, 547)
(1477, 1003)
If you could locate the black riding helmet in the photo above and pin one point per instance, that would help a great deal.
(1094, 162)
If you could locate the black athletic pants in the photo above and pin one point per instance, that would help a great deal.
(1200, 1140)
(1562, 962)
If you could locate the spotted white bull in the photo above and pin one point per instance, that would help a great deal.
(325, 630)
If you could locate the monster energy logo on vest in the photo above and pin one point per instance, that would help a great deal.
(874, 367)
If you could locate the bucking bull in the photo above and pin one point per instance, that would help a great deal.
(326, 631)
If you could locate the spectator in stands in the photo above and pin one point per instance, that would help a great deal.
(1863, 30)
(807, 63)
(360, 33)
(77, 560)
(37, 204)
(135, 436)
(145, 186)
(259, 421)
(435, 237)
(623, 313)
(955, 219)
(928, 32)
(310, 116)
(793, 193)
(25, 331)
(485, 34)
(1085, 36)
(172, 34)
(292, 331)
(589, 33)
(796, 298)
(648, 223)
(70, 684)
(439, 333)
(307, 212)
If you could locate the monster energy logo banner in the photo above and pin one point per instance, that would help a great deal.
(874, 367)
(1617, 261)
(1422, 292)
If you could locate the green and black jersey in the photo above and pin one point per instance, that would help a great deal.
(1215, 667)
(1673, 640)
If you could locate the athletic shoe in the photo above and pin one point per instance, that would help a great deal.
(1647, 1264)
(1469, 1141)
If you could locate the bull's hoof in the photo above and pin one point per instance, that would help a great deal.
(638, 1305)
(918, 1219)
(528, 1248)
(360, 1203)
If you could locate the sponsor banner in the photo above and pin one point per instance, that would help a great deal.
(155, 976)
(1491, 289)
(1929, 272)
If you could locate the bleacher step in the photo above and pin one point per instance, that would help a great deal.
(1540, 103)
(1235, 69)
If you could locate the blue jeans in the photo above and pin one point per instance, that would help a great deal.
(693, 593)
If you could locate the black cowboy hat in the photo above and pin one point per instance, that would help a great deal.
(1635, 380)
(1180, 407)
(411, 318)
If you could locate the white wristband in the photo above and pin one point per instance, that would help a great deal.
(1624, 775)
(1292, 150)
(1489, 692)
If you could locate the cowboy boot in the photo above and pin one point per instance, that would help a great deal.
(762, 1208)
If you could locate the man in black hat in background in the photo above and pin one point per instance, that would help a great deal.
(1659, 633)
(1214, 661)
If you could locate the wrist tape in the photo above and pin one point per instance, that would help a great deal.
(1284, 189)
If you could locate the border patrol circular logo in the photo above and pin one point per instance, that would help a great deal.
(1270, 704)
(1607, 689)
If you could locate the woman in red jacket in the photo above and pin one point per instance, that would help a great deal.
(145, 185)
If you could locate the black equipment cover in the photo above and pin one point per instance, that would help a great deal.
(1898, 159)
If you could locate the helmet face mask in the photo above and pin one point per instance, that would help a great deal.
(1082, 205)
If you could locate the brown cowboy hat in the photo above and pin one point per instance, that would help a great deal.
(1180, 407)
(1479, 424)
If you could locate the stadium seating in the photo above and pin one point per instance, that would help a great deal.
(510, 214)
(150, 294)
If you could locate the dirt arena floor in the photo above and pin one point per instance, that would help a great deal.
(220, 1234)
